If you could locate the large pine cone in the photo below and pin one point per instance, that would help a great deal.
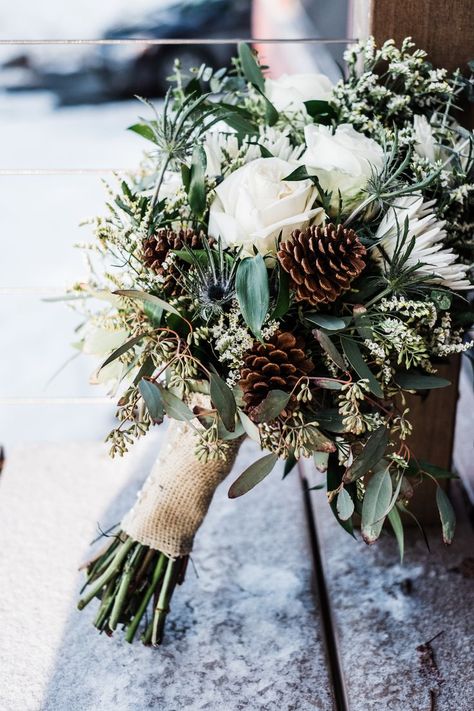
(277, 364)
(322, 262)
(156, 251)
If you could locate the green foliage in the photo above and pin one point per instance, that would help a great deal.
(253, 292)
(253, 475)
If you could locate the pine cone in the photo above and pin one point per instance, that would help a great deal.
(322, 262)
(156, 250)
(276, 364)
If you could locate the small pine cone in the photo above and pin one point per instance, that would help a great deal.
(156, 251)
(322, 262)
(277, 364)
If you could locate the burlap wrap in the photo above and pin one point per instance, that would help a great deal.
(176, 496)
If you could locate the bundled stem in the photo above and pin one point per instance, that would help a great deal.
(125, 577)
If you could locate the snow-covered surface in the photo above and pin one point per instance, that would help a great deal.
(243, 635)
(382, 611)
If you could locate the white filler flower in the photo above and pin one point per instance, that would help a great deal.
(290, 91)
(344, 161)
(425, 145)
(255, 205)
(429, 249)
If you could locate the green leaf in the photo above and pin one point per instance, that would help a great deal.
(330, 323)
(299, 173)
(397, 525)
(436, 472)
(250, 67)
(223, 399)
(362, 322)
(274, 402)
(227, 435)
(334, 478)
(253, 475)
(327, 383)
(330, 349)
(344, 505)
(154, 313)
(373, 451)
(147, 298)
(415, 381)
(249, 426)
(320, 111)
(174, 406)
(331, 421)
(290, 464)
(283, 299)
(376, 500)
(143, 130)
(355, 358)
(153, 400)
(252, 292)
(446, 514)
(197, 184)
(271, 114)
(122, 349)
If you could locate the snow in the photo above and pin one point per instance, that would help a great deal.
(244, 634)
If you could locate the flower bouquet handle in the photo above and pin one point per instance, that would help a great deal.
(145, 561)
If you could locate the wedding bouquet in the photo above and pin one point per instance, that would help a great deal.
(290, 260)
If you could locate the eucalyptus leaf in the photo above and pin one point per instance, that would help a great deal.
(290, 463)
(355, 358)
(330, 349)
(330, 323)
(154, 402)
(154, 313)
(331, 420)
(397, 525)
(376, 500)
(147, 298)
(344, 505)
(283, 299)
(299, 173)
(327, 383)
(372, 453)
(362, 322)
(446, 514)
(320, 111)
(415, 381)
(223, 399)
(250, 427)
(252, 71)
(227, 435)
(253, 475)
(334, 478)
(174, 406)
(123, 349)
(274, 402)
(253, 292)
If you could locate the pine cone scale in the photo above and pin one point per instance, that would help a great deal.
(283, 364)
(322, 262)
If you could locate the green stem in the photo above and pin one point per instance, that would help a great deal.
(106, 604)
(124, 586)
(157, 575)
(159, 181)
(108, 574)
(162, 606)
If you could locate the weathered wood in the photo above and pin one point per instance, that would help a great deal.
(404, 632)
(444, 29)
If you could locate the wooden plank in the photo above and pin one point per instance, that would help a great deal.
(385, 615)
(245, 634)
(444, 29)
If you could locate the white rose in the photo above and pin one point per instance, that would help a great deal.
(343, 161)
(290, 91)
(424, 141)
(254, 205)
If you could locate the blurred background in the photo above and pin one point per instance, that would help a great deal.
(65, 109)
